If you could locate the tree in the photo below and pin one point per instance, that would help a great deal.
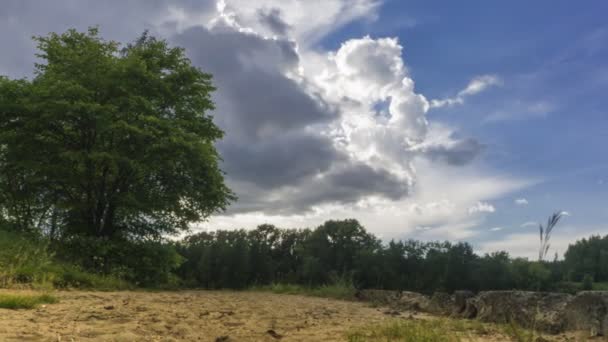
(109, 142)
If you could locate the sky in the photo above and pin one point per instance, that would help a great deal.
(432, 120)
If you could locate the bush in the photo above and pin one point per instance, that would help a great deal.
(145, 263)
(24, 259)
(587, 284)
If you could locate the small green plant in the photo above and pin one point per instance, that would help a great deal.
(10, 301)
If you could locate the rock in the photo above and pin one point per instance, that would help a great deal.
(385, 297)
(392, 313)
(538, 310)
(412, 301)
(441, 304)
(274, 334)
(588, 311)
(399, 300)
(459, 302)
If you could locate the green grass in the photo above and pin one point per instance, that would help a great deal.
(9, 301)
(405, 331)
(572, 287)
(600, 286)
(26, 262)
(439, 330)
(339, 290)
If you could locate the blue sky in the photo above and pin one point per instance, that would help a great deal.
(435, 120)
(548, 121)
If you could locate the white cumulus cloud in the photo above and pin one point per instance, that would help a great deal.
(475, 86)
(481, 207)
(521, 201)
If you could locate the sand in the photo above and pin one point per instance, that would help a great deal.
(192, 316)
(185, 316)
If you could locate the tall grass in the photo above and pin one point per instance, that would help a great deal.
(27, 262)
(10, 301)
(440, 330)
(405, 331)
(23, 260)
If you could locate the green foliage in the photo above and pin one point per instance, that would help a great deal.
(587, 284)
(406, 331)
(343, 250)
(109, 142)
(587, 257)
(145, 263)
(9, 301)
(23, 259)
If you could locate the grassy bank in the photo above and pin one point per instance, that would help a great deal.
(13, 301)
(440, 330)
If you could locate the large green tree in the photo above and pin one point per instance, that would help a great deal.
(109, 141)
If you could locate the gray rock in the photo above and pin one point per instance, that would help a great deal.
(537, 310)
(459, 299)
(401, 300)
(441, 304)
(588, 311)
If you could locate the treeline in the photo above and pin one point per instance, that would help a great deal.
(335, 252)
(344, 250)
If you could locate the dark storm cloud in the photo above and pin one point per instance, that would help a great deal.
(459, 153)
(347, 182)
(255, 100)
(271, 18)
(276, 158)
(279, 161)
(120, 20)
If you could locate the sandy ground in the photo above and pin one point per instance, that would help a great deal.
(185, 316)
(191, 316)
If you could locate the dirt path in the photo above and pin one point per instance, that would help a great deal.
(186, 316)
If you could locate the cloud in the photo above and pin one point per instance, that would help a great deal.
(441, 145)
(311, 134)
(495, 229)
(289, 140)
(529, 224)
(475, 86)
(271, 18)
(481, 207)
(521, 201)
(527, 244)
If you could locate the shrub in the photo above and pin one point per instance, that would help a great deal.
(587, 284)
(143, 263)
(23, 259)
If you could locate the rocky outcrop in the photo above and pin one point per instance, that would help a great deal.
(588, 311)
(544, 311)
(402, 300)
(539, 310)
